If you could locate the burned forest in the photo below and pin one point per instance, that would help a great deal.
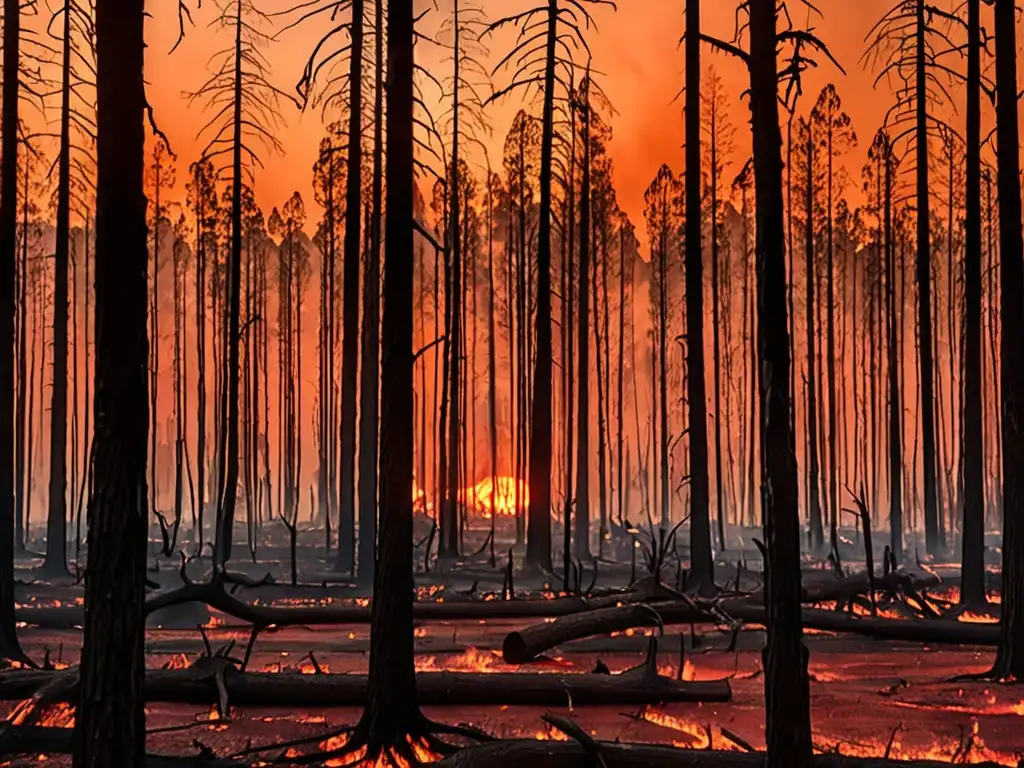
(483, 383)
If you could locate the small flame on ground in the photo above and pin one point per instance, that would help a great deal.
(470, 660)
(59, 715)
(385, 760)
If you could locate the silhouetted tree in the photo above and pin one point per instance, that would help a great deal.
(1010, 657)
(110, 721)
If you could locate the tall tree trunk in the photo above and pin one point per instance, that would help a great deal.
(369, 370)
(228, 463)
(787, 695)
(448, 544)
(623, 444)
(972, 590)
(568, 365)
(21, 311)
(924, 314)
(492, 365)
(9, 646)
(391, 710)
(538, 549)
(350, 300)
(56, 519)
(817, 527)
(716, 312)
(110, 721)
(1010, 658)
(893, 372)
(701, 563)
(583, 341)
(830, 352)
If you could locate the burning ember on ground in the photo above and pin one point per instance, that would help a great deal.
(385, 760)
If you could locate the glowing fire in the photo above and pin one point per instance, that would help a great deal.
(387, 759)
(471, 660)
(498, 495)
(60, 715)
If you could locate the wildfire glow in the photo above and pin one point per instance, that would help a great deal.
(497, 496)
(471, 660)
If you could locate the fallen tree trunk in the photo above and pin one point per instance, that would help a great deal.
(570, 754)
(524, 645)
(265, 689)
(66, 617)
(41, 740)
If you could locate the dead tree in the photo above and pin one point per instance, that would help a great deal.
(1010, 657)
(110, 719)
(903, 45)
(972, 588)
(701, 562)
(76, 33)
(787, 694)
(543, 54)
(834, 134)
(718, 145)
(333, 79)
(248, 114)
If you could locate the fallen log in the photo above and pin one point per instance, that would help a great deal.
(933, 631)
(68, 617)
(526, 644)
(570, 754)
(41, 740)
(267, 689)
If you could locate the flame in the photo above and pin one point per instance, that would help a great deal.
(470, 660)
(59, 715)
(387, 759)
(308, 668)
(698, 736)
(178, 661)
(497, 495)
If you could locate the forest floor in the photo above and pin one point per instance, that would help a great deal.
(862, 690)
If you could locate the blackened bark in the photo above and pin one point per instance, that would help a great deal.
(8, 253)
(110, 721)
(391, 711)
(448, 543)
(787, 696)
(972, 590)
(538, 545)
(893, 357)
(817, 527)
(701, 563)
(350, 299)
(582, 528)
(1010, 658)
(369, 381)
(228, 463)
(56, 519)
(924, 313)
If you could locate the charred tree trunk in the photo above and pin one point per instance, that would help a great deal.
(392, 713)
(8, 310)
(369, 379)
(350, 299)
(817, 527)
(701, 563)
(893, 358)
(538, 545)
(924, 314)
(56, 519)
(1010, 658)
(228, 463)
(972, 589)
(788, 726)
(582, 528)
(448, 544)
(110, 721)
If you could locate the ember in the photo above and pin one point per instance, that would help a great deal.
(384, 760)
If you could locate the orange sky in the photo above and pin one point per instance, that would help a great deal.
(635, 48)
